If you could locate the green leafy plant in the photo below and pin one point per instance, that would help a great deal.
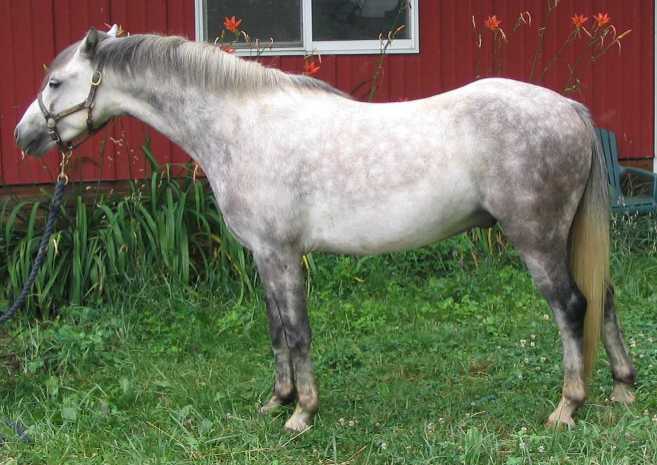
(165, 226)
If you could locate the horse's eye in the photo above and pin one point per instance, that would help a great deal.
(54, 83)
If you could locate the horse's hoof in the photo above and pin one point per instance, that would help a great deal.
(623, 394)
(298, 422)
(271, 406)
(559, 421)
(561, 417)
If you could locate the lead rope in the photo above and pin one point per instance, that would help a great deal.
(53, 213)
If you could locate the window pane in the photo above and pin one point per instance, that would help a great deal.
(261, 19)
(358, 19)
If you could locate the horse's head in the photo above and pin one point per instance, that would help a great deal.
(69, 105)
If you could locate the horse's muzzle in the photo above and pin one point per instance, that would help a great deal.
(32, 142)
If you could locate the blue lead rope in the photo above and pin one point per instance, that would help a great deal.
(41, 254)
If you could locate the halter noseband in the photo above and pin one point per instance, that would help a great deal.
(88, 104)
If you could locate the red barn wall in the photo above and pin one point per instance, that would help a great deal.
(619, 88)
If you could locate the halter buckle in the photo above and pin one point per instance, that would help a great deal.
(96, 78)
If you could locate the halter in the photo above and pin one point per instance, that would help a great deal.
(88, 104)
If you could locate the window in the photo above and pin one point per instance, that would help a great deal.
(314, 26)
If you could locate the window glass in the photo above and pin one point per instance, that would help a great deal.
(261, 19)
(358, 19)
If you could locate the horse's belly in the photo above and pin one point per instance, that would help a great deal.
(399, 222)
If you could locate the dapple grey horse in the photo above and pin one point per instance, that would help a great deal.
(296, 166)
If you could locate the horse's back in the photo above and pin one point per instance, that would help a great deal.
(454, 161)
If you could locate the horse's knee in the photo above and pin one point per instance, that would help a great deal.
(288, 321)
(298, 341)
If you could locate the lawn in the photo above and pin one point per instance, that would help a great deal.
(438, 356)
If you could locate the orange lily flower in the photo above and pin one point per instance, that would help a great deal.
(602, 19)
(492, 23)
(310, 68)
(579, 21)
(232, 24)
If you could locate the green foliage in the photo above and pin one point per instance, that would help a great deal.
(85, 339)
(634, 234)
(166, 226)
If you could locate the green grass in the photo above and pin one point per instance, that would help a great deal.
(433, 357)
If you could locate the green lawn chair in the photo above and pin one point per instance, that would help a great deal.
(621, 203)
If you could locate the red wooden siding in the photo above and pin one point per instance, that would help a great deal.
(619, 88)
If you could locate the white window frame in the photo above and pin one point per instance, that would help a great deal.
(334, 47)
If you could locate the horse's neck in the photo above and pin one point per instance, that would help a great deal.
(186, 115)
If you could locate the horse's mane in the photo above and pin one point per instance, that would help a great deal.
(199, 64)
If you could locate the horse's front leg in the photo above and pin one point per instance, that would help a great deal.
(284, 378)
(283, 278)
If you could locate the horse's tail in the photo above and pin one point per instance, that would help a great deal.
(589, 245)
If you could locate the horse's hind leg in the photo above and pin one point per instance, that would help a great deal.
(283, 278)
(569, 307)
(622, 369)
(548, 265)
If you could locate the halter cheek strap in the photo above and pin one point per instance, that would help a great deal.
(53, 118)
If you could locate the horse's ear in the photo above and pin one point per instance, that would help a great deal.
(89, 43)
(114, 31)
